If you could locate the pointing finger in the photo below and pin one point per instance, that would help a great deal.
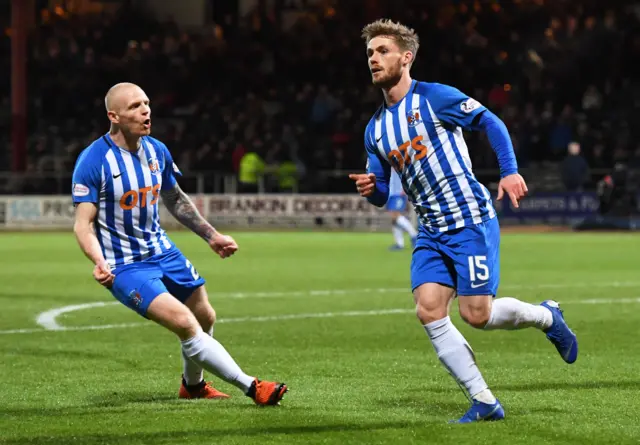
(514, 199)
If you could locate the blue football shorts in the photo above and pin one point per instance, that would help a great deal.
(136, 285)
(466, 259)
(397, 203)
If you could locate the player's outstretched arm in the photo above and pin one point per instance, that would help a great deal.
(85, 234)
(511, 183)
(456, 108)
(184, 210)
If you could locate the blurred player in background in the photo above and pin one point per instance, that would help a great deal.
(417, 131)
(117, 181)
(396, 206)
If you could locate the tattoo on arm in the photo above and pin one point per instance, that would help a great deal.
(183, 209)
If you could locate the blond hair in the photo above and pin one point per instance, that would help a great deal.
(405, 37)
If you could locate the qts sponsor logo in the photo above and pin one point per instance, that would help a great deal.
(134, 198)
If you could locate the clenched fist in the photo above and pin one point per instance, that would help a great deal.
(223, 245)
(102, 274)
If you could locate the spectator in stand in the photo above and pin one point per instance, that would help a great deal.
(547, 66)
(575, 170)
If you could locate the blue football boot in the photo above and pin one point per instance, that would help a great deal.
(559, 333)
(482, 412)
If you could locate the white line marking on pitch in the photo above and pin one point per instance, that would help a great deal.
(48, 318)
(329, 292)
(59, 328)
(605, 301)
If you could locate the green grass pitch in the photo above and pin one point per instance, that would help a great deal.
(331, 315)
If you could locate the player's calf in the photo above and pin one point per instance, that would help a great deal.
(510, 313)
(199, 304)
(193, 375)
(449, 344)
(206, 319)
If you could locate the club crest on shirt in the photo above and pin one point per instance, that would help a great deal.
(413, 117)
(154, 166)
(135, 297)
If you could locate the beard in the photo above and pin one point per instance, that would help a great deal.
(389, 77)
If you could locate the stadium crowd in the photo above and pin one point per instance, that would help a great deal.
(555, 71)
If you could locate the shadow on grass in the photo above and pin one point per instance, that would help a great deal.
(205, 436)
(538, 386)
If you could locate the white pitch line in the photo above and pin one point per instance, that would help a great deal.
(48, 318)
(616, 284)
(329, 292)
(606, 301)
(268, 318)
(22, 331)
(222, 320)
(315, 315)
(309, 293)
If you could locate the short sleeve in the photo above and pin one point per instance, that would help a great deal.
(169, 170)
(452, 106)
(87, 177)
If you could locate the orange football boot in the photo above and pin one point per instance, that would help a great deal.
(266, 393)
(204, 390)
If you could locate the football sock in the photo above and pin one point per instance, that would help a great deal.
(398, 236)
(207, 352)
(509, 313)
(405, 225)
(192, 372)
(456, 355)
(485, 396)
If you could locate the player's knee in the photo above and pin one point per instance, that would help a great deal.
(185, 325)
(476, 316)
(432, 302)
(208, 319)
(428, 313)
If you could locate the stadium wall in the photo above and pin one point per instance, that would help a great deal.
(347, 212)
(297, 211)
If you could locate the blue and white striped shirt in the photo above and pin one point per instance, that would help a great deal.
(421, 138)
(126, 188)
(395, 185)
